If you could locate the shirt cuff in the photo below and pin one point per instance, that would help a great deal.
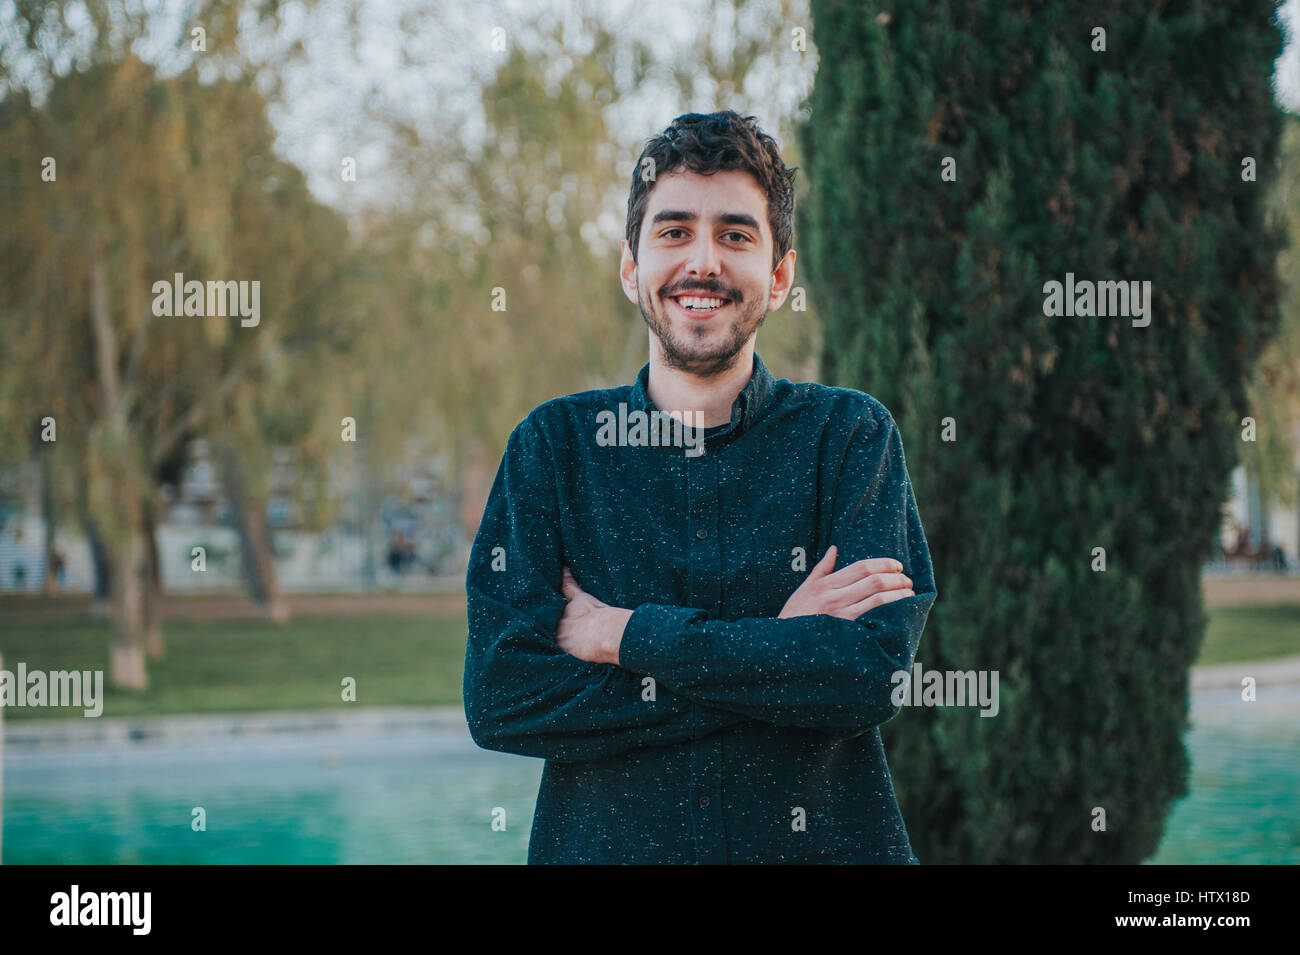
(652, 639)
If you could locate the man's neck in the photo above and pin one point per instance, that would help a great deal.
(674, 391)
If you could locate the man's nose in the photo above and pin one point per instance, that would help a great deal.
(703, 261)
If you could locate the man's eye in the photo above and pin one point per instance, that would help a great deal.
(665, 235)
(741, 234)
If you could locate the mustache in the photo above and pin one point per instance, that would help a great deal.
(712, 291)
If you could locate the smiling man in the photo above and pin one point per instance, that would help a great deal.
(645, 618)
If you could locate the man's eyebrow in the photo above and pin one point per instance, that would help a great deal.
(727, 218)
(739, 218)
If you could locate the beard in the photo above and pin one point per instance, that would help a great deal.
(702, 352)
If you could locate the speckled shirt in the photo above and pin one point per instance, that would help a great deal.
(724, 734)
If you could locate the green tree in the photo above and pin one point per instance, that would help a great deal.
(1273, 398)
(1068, 433)
(156, 177)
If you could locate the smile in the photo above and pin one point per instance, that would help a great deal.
(701, 306)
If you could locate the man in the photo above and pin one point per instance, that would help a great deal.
(641, 610)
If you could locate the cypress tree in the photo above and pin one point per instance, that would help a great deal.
(1069, 469)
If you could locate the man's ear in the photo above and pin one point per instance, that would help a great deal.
(627, 273)
(782, 280)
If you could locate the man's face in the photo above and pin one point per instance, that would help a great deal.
(705, 238)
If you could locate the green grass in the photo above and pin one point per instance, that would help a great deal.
(231, 666)
(227, 666)
(1251, 633)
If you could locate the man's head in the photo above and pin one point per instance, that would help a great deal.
(711, 214)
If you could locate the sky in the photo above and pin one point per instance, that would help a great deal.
(1286, 76)
(427, 61)
(322, 118)
(450, 59)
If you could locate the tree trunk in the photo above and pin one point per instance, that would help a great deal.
(152, 585)
(98, 554)
(127, 656)
(368, 512)
(50, 585)
(256, 545)
(116, 490)
(475, 480)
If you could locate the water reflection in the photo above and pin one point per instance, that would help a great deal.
(411, 787)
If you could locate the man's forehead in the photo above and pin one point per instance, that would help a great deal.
(723, 192)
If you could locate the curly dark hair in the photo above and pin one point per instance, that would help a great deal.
(716, 142)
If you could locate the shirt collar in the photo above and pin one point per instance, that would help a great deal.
(745, 410)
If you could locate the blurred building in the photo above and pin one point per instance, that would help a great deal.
(1258, 534)
(414, 541)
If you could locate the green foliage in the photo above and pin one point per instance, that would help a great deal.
(165, 176)
(1071, 433)
(1273, 398)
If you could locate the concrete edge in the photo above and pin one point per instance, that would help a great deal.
(1284, 671)
(180, 727)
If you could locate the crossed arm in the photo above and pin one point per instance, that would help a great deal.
(593, 631)
(552, 672)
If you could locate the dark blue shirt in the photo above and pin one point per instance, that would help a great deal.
(725, 734)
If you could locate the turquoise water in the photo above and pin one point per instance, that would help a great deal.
(1242, 800)
(427, 794)
(410, 796)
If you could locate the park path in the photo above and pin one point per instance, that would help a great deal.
(1233, 591)
(1215, 697)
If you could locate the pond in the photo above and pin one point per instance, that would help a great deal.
(387, 791)
(410, 786)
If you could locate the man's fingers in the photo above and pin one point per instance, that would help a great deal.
(859, 569)
(871, 584)
(567, 583)
(573, 591)
(875, 600)
(826, 564)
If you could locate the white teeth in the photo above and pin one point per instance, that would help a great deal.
(703, 304)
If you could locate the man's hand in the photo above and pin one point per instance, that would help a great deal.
(588, 629)
(849, 592)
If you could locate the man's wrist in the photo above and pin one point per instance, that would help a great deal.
(616, 634)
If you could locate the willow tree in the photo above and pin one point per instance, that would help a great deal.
(118, 179)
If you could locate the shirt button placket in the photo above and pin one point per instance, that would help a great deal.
(706, 592)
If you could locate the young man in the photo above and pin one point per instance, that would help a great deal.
(641, 610)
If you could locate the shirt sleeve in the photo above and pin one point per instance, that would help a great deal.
(818, 672)
(522, 693)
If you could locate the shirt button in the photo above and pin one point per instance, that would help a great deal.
(701, 533)
(704, 802)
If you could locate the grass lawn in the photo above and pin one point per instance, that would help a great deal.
(1251, 633)
(227, 666)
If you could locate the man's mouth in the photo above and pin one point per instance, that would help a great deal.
(701, 306)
